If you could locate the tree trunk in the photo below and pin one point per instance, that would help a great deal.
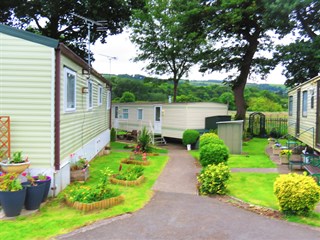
(175, 88)
(241, 81)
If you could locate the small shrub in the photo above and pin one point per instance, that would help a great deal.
(213, 179)
(113, 135)
(144, 140)
(213, 154)
(190, 136)
(208, 138)
(297, 194)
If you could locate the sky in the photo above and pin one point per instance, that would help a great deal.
(115, 57)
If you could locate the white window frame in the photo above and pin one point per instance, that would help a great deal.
(90, 95)
(108, 99)
(125, 113)
(68, 72)
(304, 103)
(139, 110)
(100, 94)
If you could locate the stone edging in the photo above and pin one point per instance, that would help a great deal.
(106, 203)
(128, 161)
(127, 183)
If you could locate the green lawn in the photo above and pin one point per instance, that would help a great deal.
(255, 188)
(253, 156)
(56, 218)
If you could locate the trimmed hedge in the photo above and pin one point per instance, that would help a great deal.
(297, 194)
(208, 138)
(190, 136)
(213, 154)
(213, 179)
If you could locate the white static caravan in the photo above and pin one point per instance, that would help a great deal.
(55, 108)
(168, 119)
(304, 113)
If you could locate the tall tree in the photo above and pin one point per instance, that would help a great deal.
(237, 36)
(301, 58)
(168, 36)
(54, 18)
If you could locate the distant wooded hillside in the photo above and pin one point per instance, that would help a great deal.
(259, 97)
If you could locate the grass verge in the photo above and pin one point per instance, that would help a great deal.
(56, 218)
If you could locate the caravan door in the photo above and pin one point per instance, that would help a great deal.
(157, 119)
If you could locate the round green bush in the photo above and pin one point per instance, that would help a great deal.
(297, 194)
(190, 136)
(208, 138)
(213, 154)
(213, 179)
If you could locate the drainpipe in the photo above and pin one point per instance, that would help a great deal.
(56, 117)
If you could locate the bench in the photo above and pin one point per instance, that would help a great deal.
(312, 166)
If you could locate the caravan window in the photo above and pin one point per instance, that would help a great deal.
(70, 90)
(100, 93)
(108, 98)
(125, 113)
(290, 105)
(116, 108)
(304, 103)
(140, 113)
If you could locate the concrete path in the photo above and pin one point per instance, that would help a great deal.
(177, 212)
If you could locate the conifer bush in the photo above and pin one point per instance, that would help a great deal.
(208, 138)
(213, 154)
(213, 179)
(297, 194)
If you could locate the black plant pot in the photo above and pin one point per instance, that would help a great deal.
(34, 196)
(12, 202)
(47, 184)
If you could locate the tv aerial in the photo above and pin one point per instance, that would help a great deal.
(89, 22)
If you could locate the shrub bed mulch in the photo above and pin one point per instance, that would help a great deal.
(137, 162)
(103, 204)
(250, 207)
(127, 183)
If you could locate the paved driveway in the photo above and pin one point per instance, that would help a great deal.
(177, 212)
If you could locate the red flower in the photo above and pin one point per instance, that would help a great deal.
(24, 174)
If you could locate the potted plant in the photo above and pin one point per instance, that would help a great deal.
(190, 137)
(80, 170)
(35, 192)
(285, 155)
(15, 165)
(276, 148)
(46, 180)
(12, 194)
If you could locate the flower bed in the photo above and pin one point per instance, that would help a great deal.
(137, 182)
(137, 162)
(106, 203)
(137, 158)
